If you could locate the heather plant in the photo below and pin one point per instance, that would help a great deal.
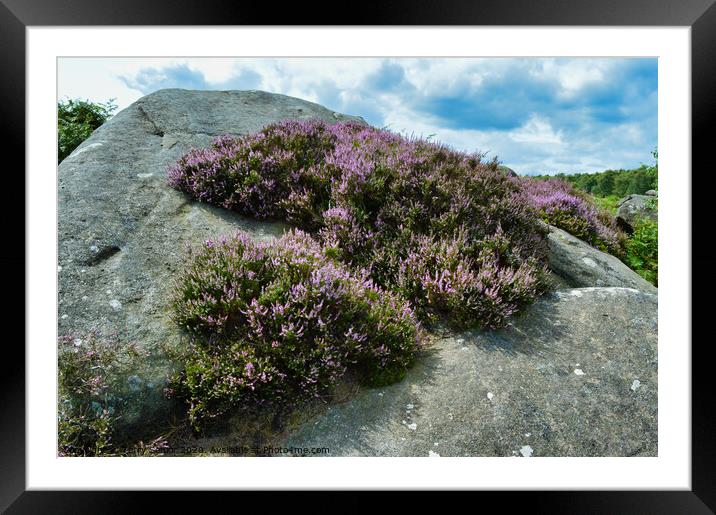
(282, 321)
(445, 229)
(446, 278)
(92, 376)
(559, 204)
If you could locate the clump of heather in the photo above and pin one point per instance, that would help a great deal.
(276, 173)
(559, 204)
(93, 376)
(445, 229)
(282, 321)
(445, 280)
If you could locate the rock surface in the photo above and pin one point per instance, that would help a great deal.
(509, 171)
(634, 208)
(122, 230)
(575, 375)
(579, 264)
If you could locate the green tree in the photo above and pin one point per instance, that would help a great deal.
(76, 120)
(653, 171)
(614, 183)
(605, 184)
(623, 183)
(641, 181)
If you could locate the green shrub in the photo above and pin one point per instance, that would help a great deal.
(76, 120)
(610, 204)
(642, 251)
(281, 321)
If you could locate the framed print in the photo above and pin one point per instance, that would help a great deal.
(421, 248)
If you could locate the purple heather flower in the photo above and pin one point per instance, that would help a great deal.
(443, 229)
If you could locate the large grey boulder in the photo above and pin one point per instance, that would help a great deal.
(579, 264)
(575, 375)
(634, 208)
(122, 230)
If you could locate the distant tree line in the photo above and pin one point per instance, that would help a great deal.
(618, 183)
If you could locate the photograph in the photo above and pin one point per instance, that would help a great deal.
(420, 244)
(357, 256)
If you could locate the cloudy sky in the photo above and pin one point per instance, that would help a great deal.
(536, 115)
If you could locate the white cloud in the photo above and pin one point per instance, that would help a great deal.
(537, 130)
(575, 74)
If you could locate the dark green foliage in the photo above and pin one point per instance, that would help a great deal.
(76, 120)
(608, 204)
(643, 251)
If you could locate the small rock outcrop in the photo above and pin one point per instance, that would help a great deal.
(579, 264)
(574, 375)
(634, 208)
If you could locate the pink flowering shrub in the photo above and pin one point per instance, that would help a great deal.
(559, 204)
(443, 278)
(445, 230)
(282, 321)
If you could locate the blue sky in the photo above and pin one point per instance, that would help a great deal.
(537, 115)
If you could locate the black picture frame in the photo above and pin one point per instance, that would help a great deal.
(700, 15)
